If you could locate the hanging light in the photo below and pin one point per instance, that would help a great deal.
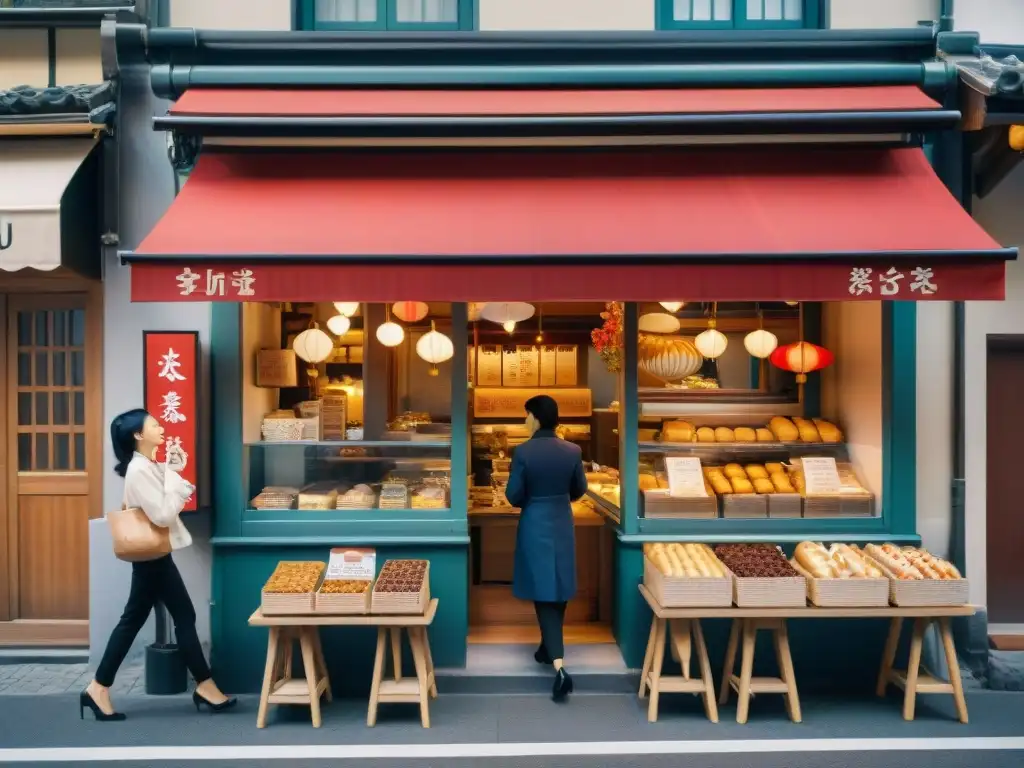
(760, 343)
(389, 333)
(802, 358)
(792, 303)
(711, 343)
(509, 326)
(540, 326)
(347, 308)
(672, 306)
(473, 310)
(339, 325)
(410, 311)
(658, 322)
(434, 347)
(313, 346)
(502, 312)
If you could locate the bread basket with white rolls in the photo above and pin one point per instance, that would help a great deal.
(917, 577)
(686, 576)
(840, 576)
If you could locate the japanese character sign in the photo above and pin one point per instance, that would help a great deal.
(214, 283)
(171, 381)
(864, 280)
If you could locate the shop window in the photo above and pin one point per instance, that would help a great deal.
(738, 14)
(388, 15)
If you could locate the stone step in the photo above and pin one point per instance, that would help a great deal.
(42, 655)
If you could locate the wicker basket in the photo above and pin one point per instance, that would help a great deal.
(917, 593)
(402, 603)
(658, 504)
(683, 592)
(341, 604)
(845, 593)
(778, 592)
(281, 430)
(289, 604)
(749, 505)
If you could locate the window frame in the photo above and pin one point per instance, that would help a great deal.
(386, 21)
(812, 17)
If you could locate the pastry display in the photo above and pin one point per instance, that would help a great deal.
(755, 560)
(677, 432)
(358, 497)
(784, 429)
(839, 561)
(828, 431)
(808, 432)
(745, 435)
(429, 497)
(752, 478)
(706, 435)
(724, 435)
(401, 576)
(394, 495)
(319, 496)
(779, 429)
(345, 587)
(293, 577)
(276, 497)
(685, 560)
(911, 563)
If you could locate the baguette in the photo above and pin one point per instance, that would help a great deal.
(685, 560)
(829, 432)
(894, 561)
(745, 435)
(814, 559)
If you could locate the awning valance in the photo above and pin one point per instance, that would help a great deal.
(809, 224)
(36, 178)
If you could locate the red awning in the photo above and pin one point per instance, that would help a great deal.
(761, 224)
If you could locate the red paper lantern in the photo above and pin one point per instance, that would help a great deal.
(410, 311)
(801, 358)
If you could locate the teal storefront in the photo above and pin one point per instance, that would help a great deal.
(248, 115)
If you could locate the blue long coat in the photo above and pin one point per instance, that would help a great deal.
(546, 477)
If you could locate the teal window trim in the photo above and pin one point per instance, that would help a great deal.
(811, 18)
(386, 20)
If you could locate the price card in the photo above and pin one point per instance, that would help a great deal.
(352, 564)
(821, 478)
(685, 478)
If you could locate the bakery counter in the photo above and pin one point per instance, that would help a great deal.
(584, 515)
(606, 506)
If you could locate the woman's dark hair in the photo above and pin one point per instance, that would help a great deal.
(544, 410)
(123, 430)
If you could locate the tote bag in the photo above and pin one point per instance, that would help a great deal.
(135, 537)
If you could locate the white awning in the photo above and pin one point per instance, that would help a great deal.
(33, 176)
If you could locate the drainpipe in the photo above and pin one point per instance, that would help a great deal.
(946, 16)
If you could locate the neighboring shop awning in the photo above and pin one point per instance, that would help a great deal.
(726, 225)
(435, 114)
(48, 204)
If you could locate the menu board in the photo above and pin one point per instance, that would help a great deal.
(529, 366)
(685, 478)
(547, 366)
(488, 365)
(565, 365)
(510, 368)
(508, 402)
(352, 564)
(821, 477)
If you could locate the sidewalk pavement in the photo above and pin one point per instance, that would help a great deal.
(49, 679)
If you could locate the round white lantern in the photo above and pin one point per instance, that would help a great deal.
(760, 343)
(711, 343)
(658, 322)
(339, 325)
(390, 334)
(502, 312)
(434, 347)
(347, 308)
(313, 345)
(672, 306)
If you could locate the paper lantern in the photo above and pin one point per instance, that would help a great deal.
(390, 334)
(434, 347)
(658, 322)
(502, 312)
(711, 343)
(509, 326)
(801, 358)
(760, 343)
(410, 311)
(339, 325)
(347, 308)
(672, 306)
(669, 358)
(313, 345)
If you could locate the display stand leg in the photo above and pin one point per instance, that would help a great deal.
(396, 653)
(309, 666)
(648, 656)
(268, 676)
(710, 707)
(785, 661)
(746, 671)
(889, 655)
(318, 652)
(953, 668)
(378, 675)
(431, 677)
(420, 660)
(913, 668)
(657, 663)
(730, 660)
(286, 647)
(679, 630)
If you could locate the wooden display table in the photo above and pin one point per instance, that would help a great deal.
(280, 688)
(685, 622)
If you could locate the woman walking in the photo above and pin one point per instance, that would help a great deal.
(161, 493)
(546, 477)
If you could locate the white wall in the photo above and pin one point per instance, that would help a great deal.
(997, 21)
(883, 14)
(232, 14)
(569, 15)
(1000, 214)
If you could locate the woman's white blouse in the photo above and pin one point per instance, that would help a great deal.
(161, 493)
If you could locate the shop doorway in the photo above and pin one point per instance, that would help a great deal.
(50, 462)
(1004, 516)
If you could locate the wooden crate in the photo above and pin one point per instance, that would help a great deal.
(845, 593)
(658, 504)
(785, 505)
(683, 592)
(290, 604)
(914, 593)
(781, 592)
(343, 605)
(402, 603)
(748, 505)
(823, 506)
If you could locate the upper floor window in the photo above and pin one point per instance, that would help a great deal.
(738, 14)
(387, 15)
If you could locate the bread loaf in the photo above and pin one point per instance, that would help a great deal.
(745, 435)
(720, 484)
(814, 559)
(725, 435)
(685, 560)
(808, 432)
(764, 435)
(829, 432)
(734, 470)
(784, 429)
(755, 471)
(763, 485)
(894, 561)
(677, 432)
(705, 435)
(773, 467)
(648, 482)
(781, 482)
(742, 485)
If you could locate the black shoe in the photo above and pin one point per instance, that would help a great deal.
(85, 700)
(563, 686)
(200, 702)
(542, 656)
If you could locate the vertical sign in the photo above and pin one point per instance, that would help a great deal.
(171, 394)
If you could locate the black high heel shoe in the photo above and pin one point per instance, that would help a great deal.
(200, 702)
(85, 700)
(563, 685)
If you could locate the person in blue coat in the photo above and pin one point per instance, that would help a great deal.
(546, 477)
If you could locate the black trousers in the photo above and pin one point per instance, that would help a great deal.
(155, 581)
(551, 617)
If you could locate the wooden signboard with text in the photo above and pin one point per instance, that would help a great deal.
(510, 402)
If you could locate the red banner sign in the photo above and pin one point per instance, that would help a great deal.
(171, 394)
(975, 279)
